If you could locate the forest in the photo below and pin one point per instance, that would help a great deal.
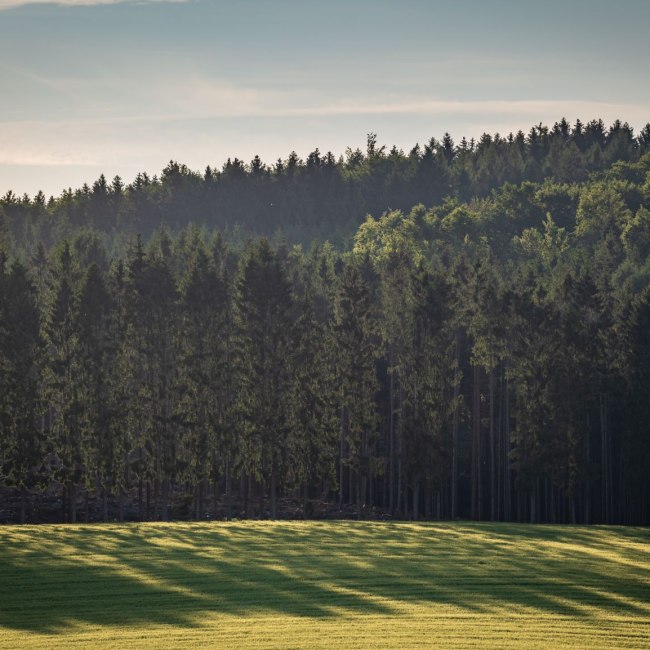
(460, 331)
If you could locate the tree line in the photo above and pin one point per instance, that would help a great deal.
(323, 196)
(484, 359)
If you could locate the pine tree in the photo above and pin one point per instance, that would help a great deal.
(21, 435)
(263, 307)
(206, 377)
(62, 382)
(355, 332)
(96, 376)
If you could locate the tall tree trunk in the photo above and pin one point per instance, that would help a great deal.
(502, 448)
(454, 433)
(507, 488)
(416, 499)
(201, 497)
(587, 486)
(391, 436)
(401, 482)
(64, 502)
(622, 500)
(574, 519)
(492, 450)
(274, 504)
(165, 499)
(104, 503)
(476, 448)
(553, 505)
(23, 505)
(228, 490)
(364, 467)
(120, 504)
(350, 485)
(140, 479)
(73, 502)
(305, 500)
(215, 494)
(358, 493)
(247, 489)
(605, 462)
(533, 504)
(341, 452)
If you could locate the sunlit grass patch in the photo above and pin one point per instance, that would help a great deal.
(324, 584)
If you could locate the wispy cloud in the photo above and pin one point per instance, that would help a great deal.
(10, 4)
(532, 109)
(201, 98)
(93, 140)
(229, 102)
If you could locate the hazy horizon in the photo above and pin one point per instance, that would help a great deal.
(123, 87)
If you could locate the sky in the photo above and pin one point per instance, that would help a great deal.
(123, 86)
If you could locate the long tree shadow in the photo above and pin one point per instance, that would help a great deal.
(142, 574)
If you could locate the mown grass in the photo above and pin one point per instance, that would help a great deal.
(317, 585)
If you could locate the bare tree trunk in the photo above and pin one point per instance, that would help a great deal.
(262, 498)
(274, 503)
(507, 488)
(228, 490)
(305, 500)
(401, 482)
(23, 505)
(148, 505)
(499, 450)
(247, 490)
(391, 434)
(416, 499)
(165, 500)
(605, 462)
(73, 502)
(553, 505)
(573, 510)
(104, 503)
(364, 467)
(476, 449)
(341, 452)
(622, 499)
(140, 479)
(492, 450)
(587, 486)
(454, 434)
(533, 504)
(358, 492)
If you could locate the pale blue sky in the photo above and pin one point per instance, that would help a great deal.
(119, 87)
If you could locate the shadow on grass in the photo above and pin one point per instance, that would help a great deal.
(143, 574)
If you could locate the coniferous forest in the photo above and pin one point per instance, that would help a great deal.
(457, 331)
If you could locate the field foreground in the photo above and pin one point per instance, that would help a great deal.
(318, 585)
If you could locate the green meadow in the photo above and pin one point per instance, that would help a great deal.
(324, 584)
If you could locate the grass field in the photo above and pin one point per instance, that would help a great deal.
(324, 584)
